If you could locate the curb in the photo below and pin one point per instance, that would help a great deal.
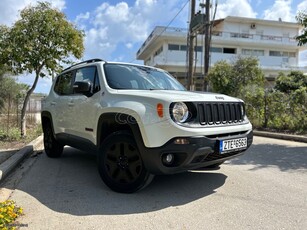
(7, 166)
(282, 136)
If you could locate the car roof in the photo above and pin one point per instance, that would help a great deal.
(97, 60)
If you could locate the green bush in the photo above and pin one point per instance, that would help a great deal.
(3, 134)
(13, 134)
(254, 103)
(287, 111)
(282, 108)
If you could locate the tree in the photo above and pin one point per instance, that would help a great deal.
(294, 87)
(232, 78)
(220, 78)
(291, 82)
(241, 78)
(4, 48)
(4, 32)
(39, 42)
(3, 71)
(9, 89)
(301, 18)
(247, 72)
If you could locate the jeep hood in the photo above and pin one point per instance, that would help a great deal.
(176, 96)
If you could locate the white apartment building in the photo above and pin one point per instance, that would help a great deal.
(272, 42)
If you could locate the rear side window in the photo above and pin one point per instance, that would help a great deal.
(63, 85)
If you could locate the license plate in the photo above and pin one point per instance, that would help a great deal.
(233, 145)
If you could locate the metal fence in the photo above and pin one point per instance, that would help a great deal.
(10, 113)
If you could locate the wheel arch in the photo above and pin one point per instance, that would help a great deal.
(111, 122)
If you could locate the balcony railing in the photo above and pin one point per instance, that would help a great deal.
(254, 36)
(241, 35)
(159, 30)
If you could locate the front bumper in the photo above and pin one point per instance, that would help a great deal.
(200, 152)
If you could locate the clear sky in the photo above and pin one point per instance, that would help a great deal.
(115, 29)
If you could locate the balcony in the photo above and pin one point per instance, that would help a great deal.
(165, 31)
(172, 34)
(253, 38)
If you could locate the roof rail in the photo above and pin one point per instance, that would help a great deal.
(87, 61)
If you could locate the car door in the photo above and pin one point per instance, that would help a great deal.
(84, 107)
(61, 102)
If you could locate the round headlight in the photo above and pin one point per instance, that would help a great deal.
(180, 112)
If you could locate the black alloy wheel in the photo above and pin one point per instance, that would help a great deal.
(120, 164)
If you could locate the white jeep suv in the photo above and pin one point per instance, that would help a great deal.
(140, 122)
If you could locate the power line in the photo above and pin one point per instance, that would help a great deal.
(182, 8)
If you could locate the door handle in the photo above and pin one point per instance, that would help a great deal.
(53, 103)
(71, 104)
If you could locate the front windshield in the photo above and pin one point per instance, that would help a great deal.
(124, 76)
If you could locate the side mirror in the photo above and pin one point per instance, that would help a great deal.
(82, 87)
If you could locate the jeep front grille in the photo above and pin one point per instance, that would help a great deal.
(211, 113)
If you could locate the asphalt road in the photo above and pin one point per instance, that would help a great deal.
(264, 189)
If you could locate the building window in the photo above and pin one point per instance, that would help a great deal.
(253, 52)
(177, 47)
(173, 47)
(229, 50)
(216, 49)
(292, 54)
(217, 33)
(198, 49)
(159, 51)
(275, 53)
(258, 52)
(282, 54)
(183, 47)
(247, 51)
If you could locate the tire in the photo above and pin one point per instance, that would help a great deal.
(53, 148)
(120, 164)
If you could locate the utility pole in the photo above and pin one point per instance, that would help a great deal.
(191, 48)
(207, 44)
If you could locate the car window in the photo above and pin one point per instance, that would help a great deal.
(63, 85)
(124, 76)
(89, 74)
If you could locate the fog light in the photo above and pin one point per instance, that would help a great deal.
(181, 141)
(168, 159)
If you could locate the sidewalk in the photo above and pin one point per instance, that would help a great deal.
(283, 136)
(11, 158)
